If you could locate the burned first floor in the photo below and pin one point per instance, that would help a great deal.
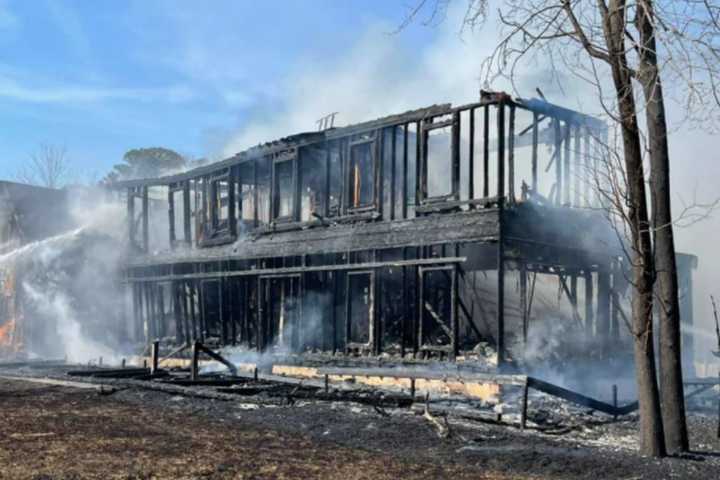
(474, 302)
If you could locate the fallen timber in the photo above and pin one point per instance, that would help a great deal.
(110, 373)
(524, 381)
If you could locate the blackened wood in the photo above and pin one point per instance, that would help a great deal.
(524, 411)
(566, 164)
(187, 229)
(580, 399)
(455, 155)
(418, 162)
(471, 156)
(477, 225)
(145, 220)
(578, 173)
(603, 306)
(256, 193)
(511, 156)
(524, 300)
(171, 217)
(486, 151)
(501, 151)
(588, 167)
(194, 368)
(557, 156)
(405, 199)
(199, 347)
(326, 193)
(535, 152)
(455, 315)
(378, 165)
(393, 163)
(131, 215)
(154, 356)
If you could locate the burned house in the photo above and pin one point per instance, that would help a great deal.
(423, 235)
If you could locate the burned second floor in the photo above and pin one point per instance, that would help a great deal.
(435, 160)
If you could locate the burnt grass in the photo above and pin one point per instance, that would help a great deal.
(58, 432)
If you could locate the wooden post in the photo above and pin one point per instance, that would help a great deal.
(603, 307)
(393, 163)
(471, 158)
(523, 412)
(145, 219)
(615, 398)
(524, 300)
(131, 214)
(558, 162)
(501, 150)
(455, 154)
(171, 216)
(256, 220)
(455, 315)
(405, 309)
(511, 156)
(566, 174)
(418, 163)
(187, 228)
(577, 166)
(486, 151)
(501, 249)
(194, 362)
(154, 356)
(588, 303)
(535, 152)
(327, 383)
(404, 185)
(412, 388)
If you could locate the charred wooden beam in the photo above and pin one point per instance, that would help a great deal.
(534, 159)
(579, 398)
(145, 220)
(471, 156)
(486, 151)
(298, 270)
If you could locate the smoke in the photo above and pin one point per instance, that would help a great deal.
(309, 336)
(382, 74)
(67, 284)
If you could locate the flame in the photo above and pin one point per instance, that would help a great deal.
(6, 333)
(8, 338)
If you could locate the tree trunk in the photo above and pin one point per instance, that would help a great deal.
(671, 380)
(652, 440)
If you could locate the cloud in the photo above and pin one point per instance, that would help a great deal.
(65, 94)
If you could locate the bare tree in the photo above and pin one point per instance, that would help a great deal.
(633, 44)
(48, 167)
(671, 381)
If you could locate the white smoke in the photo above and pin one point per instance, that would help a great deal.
(68, 283)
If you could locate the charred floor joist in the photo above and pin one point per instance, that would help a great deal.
(421, 234)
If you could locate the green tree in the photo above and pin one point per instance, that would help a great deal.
(147, 163)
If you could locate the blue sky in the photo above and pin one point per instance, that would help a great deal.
(101, 77)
